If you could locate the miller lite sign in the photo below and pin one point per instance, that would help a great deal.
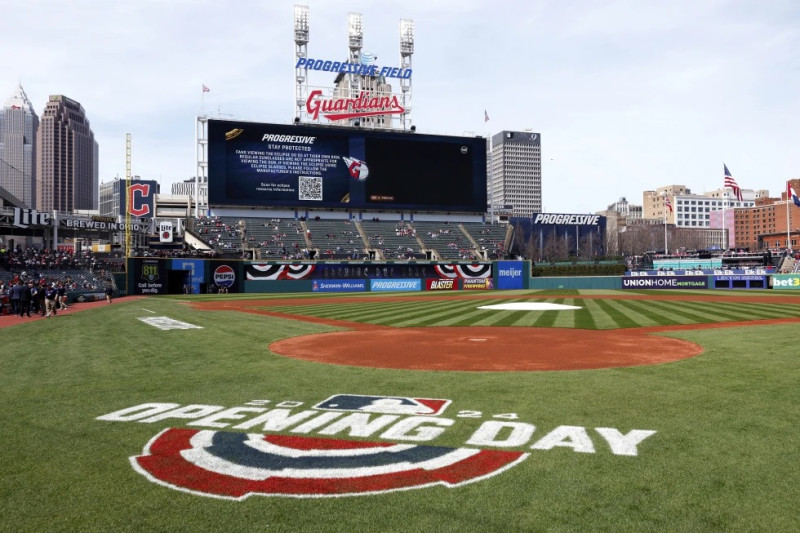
(165, 231)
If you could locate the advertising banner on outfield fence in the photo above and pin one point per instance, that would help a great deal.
(151, 277)
(666, 282)
(225, 276)
(477, 284)
(339, 285)
(196, 271)
(509, 275)
(786, 281)
(389, 285)
(440, 284)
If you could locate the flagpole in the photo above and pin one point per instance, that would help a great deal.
(724, 208)
(666, 250)
(788, 226)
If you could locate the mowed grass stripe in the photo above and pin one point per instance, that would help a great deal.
(564, 318)
(738, 312)
(723, 312)
(622, 315)
(444, 315)
(654, 314)
(370, 313)
(484, 317)
(770, 310)
(677, 313)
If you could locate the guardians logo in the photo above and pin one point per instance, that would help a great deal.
(273, 448)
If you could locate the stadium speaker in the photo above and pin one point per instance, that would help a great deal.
(296, 120)
(357, 124)
(413, 129)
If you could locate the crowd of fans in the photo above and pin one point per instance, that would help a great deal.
(45, 268)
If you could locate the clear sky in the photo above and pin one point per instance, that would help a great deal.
(628, 95)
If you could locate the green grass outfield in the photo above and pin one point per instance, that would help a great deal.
(725, 455)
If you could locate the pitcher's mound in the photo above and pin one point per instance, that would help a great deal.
(487, 348)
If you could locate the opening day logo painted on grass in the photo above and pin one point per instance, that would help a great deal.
(208, 460)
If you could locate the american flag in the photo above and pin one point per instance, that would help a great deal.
(667, 203)
(730, 182)
(206, 89)
(791, 195)
(485, 116)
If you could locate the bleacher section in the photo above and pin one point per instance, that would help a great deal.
(221, 233)
(288, 239)
(448, 240)
(276, 238)
(335, 239)
(494, 238)
(394, 240)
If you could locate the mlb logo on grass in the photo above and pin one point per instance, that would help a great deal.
(384, 404)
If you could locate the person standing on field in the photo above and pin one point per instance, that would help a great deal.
(109, 285)
(50, 299)
(62, 296)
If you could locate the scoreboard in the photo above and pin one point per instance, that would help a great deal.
(306, 166)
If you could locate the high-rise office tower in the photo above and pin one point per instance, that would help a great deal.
(67, 158)
(514, 176)
(18, 126)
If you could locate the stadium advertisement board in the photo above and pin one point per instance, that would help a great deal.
(665, 282)
(195, 272)
(393, 285)
(509, 275)
(151, 277)
(786, 282)
(339, 285)
(225, 275)
(477, 284)
(441, 284)
(566, 233)
(306, 166)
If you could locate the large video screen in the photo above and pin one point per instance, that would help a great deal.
(302, 166)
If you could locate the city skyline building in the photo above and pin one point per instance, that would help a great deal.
(67, 158)
(514, 173)
(18, 148)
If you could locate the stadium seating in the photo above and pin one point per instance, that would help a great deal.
(447, 240)
(276, 239)
(494, 238)
(394, 240)
(335, 239)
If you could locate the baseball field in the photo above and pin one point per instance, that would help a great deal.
(498, 411)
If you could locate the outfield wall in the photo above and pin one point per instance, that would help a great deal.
(199, 276)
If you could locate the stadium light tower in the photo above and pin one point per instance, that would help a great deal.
(406, 51)
(301, 31)
(355, 41)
